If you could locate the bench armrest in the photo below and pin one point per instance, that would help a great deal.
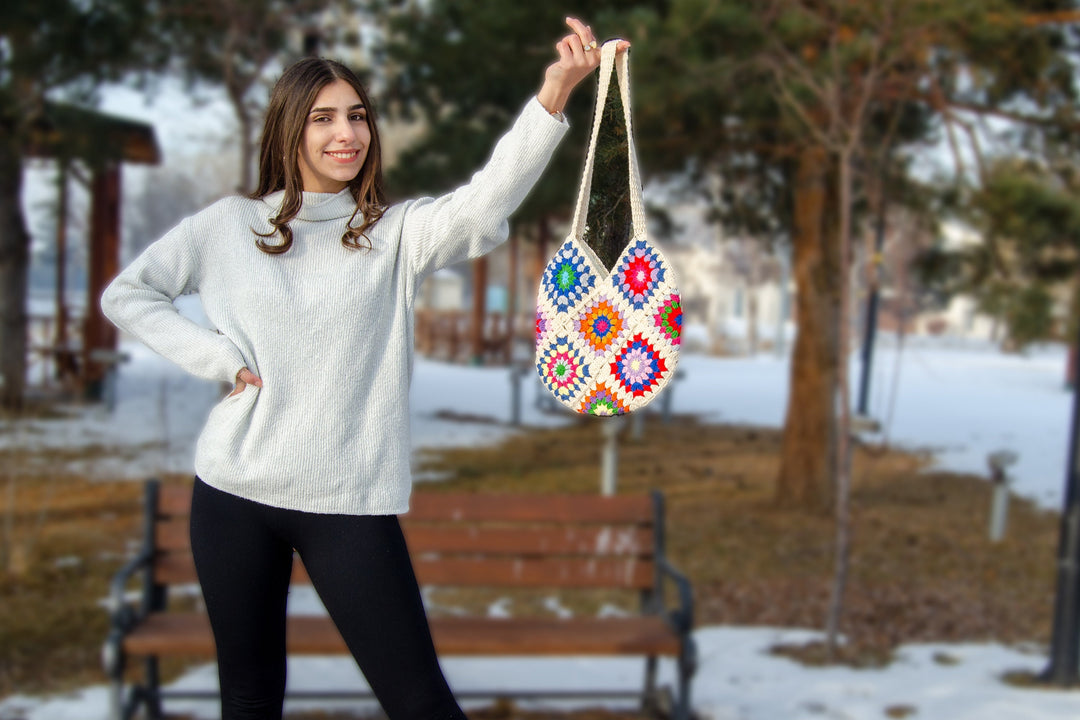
(681, 617)
(123, 614)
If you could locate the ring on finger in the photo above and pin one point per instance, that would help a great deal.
(590, 46)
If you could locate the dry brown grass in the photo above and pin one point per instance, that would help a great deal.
(922, 567)
(63, 537)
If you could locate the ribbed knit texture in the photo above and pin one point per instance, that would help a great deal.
(328, 329)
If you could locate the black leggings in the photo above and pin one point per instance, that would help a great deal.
(360, 567)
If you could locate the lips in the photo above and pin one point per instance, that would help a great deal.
(343, 155)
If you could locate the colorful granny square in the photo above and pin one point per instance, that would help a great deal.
(599, 325)
(567, 278)
(563, 369)
(638, 367)
(668, 319)
(602, 401)
(638, 274)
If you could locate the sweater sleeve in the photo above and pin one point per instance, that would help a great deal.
(140, 302)
(473, 219)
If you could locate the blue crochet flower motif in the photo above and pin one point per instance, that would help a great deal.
(567, 278)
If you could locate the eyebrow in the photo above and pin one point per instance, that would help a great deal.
(359, 106)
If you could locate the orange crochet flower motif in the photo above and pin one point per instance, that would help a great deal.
(601, 325)
(602, 401)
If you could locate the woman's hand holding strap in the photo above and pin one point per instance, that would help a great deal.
(579, 56)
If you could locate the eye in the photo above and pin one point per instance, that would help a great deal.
(359, 116)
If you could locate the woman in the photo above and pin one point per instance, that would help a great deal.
(310, 283)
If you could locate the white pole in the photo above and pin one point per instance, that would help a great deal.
(999, 508)
(609, 456)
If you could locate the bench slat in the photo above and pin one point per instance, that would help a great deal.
(552, 636)
(594, 541)
(536, 572)
(188, 634)
(469, 507)
(173, 534)
(630, 573)
(175, 500)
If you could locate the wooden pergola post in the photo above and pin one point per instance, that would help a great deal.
(479, 310)
(66, 362)
(512, 299)
(104, 263)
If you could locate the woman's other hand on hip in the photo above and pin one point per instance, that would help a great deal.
(244, 378)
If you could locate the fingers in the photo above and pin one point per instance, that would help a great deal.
(583, 32)
(577, 51)
(573, 58)
(587, 40)
(249, 377)
(566, 54)
(244, 378)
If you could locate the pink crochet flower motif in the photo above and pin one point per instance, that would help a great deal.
(668, 319)
(639, 274)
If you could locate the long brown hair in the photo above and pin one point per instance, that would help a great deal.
(292, 98)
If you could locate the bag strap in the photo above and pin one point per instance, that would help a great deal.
(621, 63)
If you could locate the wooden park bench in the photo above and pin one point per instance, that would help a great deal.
(455, 540)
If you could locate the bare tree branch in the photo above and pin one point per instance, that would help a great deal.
(796, 106)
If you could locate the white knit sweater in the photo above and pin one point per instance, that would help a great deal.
(328, 329)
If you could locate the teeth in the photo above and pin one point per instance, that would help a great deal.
(342, 154)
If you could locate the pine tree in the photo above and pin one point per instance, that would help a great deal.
(1028, 261)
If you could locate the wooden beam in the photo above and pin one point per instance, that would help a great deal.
(479, 310)
(104, 264)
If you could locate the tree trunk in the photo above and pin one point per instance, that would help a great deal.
(14, 270)
(247, 152)
(808, 452)
(843, 402)
(752, 315)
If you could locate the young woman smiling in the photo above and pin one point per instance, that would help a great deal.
(310, 284)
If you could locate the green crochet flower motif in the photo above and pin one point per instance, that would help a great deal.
(567, 276)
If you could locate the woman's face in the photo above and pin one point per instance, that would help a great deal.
(336, 138)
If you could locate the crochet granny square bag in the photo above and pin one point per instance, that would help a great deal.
(607, 340)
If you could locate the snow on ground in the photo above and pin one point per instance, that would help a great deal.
(738, 679)
(959, 402)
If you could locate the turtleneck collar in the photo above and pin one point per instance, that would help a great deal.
(316, 206)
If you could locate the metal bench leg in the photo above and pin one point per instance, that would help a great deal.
(153, 690)
(112, 659)
(687, 666)
(650, 703)
(682, 704)
(116, 700)
(136, 697)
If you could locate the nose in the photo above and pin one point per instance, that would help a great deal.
(344, 131)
